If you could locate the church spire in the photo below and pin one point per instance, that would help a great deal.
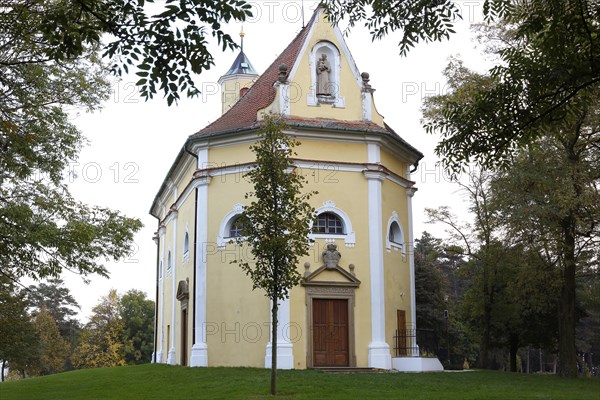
(241, 65)
(238, 79)
(242, 34)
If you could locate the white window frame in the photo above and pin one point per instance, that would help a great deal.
(395, 245)
(224, 228)
(349, 236)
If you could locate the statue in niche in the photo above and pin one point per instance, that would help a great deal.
(331, 256)
(323, 70)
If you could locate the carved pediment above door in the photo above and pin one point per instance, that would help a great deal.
(330, 274)
(183, 290)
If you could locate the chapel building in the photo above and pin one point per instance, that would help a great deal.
(357, 291)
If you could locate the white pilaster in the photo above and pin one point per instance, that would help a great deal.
(373, 153)
(411, 259)
(171, 356)
(161, 294)
(199, 356)
(285, 355)
(379, 351)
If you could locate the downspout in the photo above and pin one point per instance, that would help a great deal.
(415, 166)
(195, 252)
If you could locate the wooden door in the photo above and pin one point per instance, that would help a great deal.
(184, 318)
(330, 333)
(401, 338)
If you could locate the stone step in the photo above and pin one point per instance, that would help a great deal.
(348, 370)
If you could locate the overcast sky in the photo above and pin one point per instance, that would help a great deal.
(132, 143)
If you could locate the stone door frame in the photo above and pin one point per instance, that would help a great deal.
(331, 292)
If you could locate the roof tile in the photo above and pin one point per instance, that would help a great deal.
(242, 115)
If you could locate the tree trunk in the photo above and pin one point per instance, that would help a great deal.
(528, 349)
(2, 371)
(274, 346)
(567, 358)
(514, 347)
(488, 298)
(567, 353)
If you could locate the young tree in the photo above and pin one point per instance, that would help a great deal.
(137, 313)
(54, 350)
(439, 286)
(431, 284)
(101, 343)
(481, 247)
(276, 223)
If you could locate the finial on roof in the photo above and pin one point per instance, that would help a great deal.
(242, 34)
(283, 73)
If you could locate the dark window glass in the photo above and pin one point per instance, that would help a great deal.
(329, 224)
(395, 233)
(235, 230)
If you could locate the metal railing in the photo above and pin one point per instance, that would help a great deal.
(405, 343)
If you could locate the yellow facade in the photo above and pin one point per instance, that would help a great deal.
(360, 171)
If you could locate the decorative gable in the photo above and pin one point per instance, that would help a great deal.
(330, 274)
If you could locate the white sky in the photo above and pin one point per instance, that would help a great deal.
(133, 143)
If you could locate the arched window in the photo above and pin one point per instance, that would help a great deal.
(395, 236)
(332, 224)
(169, 262)
(231, 226)
(186, 245)
(236, 227)
(328, 223)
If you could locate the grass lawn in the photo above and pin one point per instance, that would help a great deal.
(169, 382)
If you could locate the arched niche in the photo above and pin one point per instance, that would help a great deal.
(333, 61)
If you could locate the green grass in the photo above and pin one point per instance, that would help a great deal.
(168, 382)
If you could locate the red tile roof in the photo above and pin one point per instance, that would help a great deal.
(242, 115)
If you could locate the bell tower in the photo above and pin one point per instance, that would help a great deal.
(238, 80)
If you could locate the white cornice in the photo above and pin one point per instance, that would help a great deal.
(331, 135)
(378, 175)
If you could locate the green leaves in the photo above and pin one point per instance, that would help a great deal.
(49, 66)
(137, 313)
(172, 42)
(276, 223)
(101, 343)
(417, 20)
(547, 60)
